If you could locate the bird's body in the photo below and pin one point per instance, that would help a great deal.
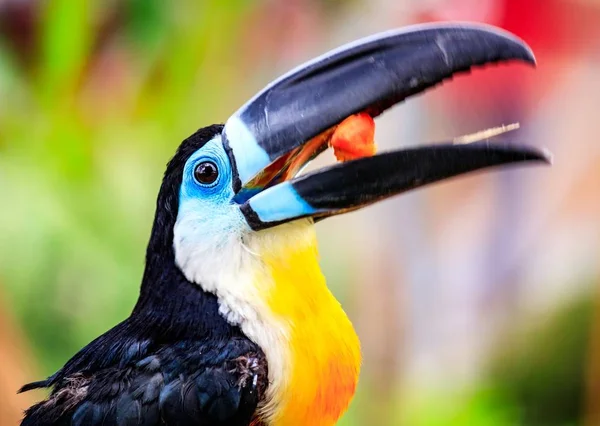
(235, 325)
(263, 301)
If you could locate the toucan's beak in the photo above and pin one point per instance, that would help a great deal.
(282, 128)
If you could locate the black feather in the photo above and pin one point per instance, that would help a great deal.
(35, 385)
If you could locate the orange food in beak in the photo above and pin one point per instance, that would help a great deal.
(354, 137)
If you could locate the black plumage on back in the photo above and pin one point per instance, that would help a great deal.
(174, 361)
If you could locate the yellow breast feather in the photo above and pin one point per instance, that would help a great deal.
(324, 350)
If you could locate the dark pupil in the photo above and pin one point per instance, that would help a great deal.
(206, 172)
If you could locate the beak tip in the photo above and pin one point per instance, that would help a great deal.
(517, 48)
(546, 156)
(520, 51)
(528, 55)
(537, 155)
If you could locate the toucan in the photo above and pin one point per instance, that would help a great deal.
(235, 325)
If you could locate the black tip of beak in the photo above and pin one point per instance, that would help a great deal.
(369, 75)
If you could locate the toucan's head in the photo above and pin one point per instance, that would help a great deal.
(241, 178)
(229, 183)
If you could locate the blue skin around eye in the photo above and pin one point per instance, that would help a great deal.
(206, 211)
(220, 191)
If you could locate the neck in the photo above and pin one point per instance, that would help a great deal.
(270, 285)
(171, 308)
(169, 305)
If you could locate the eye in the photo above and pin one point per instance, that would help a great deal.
(206, 172)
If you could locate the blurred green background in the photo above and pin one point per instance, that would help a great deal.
(476, 300)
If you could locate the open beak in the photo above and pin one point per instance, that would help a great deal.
(289, 123)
